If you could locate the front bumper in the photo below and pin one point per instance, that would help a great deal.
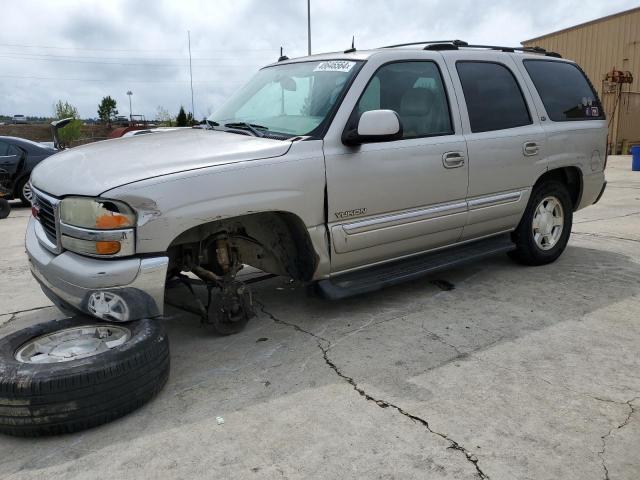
(74, 281)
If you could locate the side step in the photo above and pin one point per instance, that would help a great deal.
(378, 277)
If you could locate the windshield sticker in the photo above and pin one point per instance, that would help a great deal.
(335, 66)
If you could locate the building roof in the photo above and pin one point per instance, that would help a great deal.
(590, 22)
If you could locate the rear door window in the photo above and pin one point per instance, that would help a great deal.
(493, 97)
(564, 90)
(13, 150)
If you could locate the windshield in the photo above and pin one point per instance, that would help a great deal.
(293, 99)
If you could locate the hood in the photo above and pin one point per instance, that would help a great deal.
(97, 167)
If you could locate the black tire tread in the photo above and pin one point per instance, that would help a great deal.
(38, 400)
(526, 252)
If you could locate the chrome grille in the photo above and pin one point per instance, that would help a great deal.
(47, 216)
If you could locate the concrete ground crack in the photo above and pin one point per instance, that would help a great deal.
(318, 338)
(438, 338)
(325, 345)
(25, 311)
(11, 319)
(607, 218)
(600, 235)
(553, 384)
(604, 438)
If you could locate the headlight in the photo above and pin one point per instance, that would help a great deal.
(96, 213)
(97, 227)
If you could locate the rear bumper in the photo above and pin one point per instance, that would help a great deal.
(70, 280)
(604, 186)
(592, 189)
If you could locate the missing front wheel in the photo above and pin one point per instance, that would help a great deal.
(230, 309)
(229, 305)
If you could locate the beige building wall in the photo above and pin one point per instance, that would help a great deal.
(599, 46)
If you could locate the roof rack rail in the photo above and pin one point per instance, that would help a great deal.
(539, 50)
(456, 44)
(441, 46)
(452, 42)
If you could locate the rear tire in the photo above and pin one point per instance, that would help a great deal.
(24, 192)
(545, 227)
(5, 208)
(51, 398)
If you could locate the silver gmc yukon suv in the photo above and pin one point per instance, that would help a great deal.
(346, 171)
(350, 171)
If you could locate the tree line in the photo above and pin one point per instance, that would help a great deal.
(108, 115)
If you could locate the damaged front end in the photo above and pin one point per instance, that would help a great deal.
(229, 303)
(208, 260)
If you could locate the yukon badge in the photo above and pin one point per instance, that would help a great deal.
(350, 213)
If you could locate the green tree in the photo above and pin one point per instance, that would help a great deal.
(163, 117)
(181, 119)
(72, 131)
(107, 110)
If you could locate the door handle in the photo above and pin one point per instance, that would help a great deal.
(453, 159)
(530, 148)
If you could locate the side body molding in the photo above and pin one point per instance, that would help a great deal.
(379, 230)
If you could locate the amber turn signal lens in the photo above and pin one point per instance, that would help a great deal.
(109, 221)
(107, 248)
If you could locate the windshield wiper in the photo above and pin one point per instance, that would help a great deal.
(252, 127)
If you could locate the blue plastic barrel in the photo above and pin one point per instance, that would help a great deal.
(635, 163)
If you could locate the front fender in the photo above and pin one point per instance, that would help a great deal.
(172, 204)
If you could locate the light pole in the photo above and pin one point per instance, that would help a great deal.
(129, 93)
(309, 26)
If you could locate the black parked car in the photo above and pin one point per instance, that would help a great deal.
(18, 157)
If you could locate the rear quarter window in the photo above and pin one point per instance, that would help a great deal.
(565, 91)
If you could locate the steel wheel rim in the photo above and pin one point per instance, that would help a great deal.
(26, 192)
(548, 223)
(72, 344)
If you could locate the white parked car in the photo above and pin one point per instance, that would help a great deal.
(135, 133)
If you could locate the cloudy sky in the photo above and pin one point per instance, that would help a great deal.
(80, 51)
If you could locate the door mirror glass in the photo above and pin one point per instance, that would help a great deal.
(375, 126)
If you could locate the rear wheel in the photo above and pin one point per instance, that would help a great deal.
(544, 230)
(24, 192)
(68, 375)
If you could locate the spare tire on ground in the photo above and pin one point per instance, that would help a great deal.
(67, 375)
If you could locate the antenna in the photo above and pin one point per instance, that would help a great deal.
(282, 56)
(193, 111)
(353, 45)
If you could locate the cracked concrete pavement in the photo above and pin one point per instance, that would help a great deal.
(489, 371)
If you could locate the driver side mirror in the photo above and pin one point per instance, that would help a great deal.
(374, 126)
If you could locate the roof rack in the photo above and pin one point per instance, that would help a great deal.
(451, 42)
(457, 44)
(539, 50)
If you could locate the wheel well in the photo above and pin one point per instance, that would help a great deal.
(569, 176)
(274, 242)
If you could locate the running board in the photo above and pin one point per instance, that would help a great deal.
(381, 276)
